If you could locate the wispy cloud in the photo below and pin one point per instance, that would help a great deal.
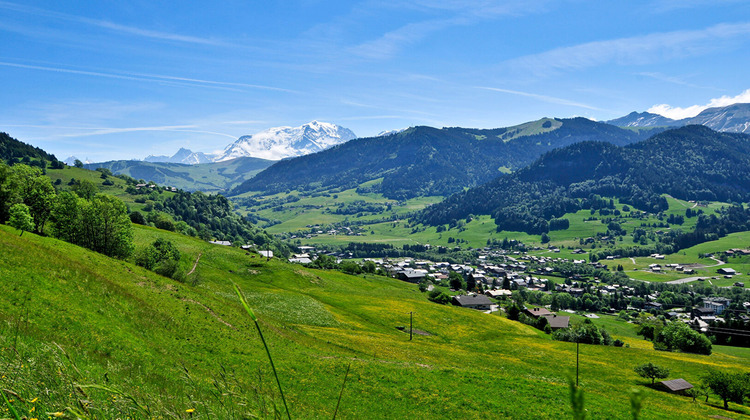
(666, 6)
(543, 98)
(151, 78)
(459, 13)
(678, 113)
(112, 26)
(670, 79)
(636, 50)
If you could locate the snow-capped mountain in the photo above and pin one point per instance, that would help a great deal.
(183, 155)
(390, 132)
(643, 119)
(284, 142)
(732, 118)
(71, 160)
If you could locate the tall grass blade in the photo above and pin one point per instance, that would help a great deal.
(346, 375)
(10, 407)
(268, 352)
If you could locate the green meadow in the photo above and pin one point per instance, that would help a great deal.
(83, 335)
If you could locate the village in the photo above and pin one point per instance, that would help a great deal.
(546, 285)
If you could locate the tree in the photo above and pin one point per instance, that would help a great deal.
(77, 163)
(728, 386)
(162, 257)
(20, 218)
(456, 281)
(679, 336)
(651, 371)
(545, 238)
(85, 189)
(29, 186)
(106, 227)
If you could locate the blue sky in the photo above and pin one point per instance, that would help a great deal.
(124, 79)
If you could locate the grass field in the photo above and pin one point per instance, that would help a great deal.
(70, 318)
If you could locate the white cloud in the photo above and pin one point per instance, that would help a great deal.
(678, 113)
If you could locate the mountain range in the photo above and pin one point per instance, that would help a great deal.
(733, 118)
(426, 161)
(272, 144)
(690, 163)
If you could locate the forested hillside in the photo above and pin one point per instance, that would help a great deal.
(424, 161)
(14, 151)
(691, 163)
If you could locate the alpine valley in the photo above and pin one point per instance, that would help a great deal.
(422, 273)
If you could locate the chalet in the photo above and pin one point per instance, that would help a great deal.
(537, 312)
(478, 302)
(412, 276)
(677, 385)
(701, 312)
(267, 254)
(499, 293)
(223, 243)
(558, 321)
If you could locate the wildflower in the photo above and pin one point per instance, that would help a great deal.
(34, 400)
(32, 409)
(57, 414)
(190, 410)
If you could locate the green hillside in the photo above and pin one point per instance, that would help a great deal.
(426, 161)
(206, 177)
(70, 318)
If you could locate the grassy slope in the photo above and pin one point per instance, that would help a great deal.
(141, 329)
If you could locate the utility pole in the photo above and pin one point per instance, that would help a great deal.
(577, 343)
(411, 323)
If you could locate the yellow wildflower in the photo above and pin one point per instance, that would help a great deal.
(34, 400)
(190, 410)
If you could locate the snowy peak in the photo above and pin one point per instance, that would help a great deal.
(284, 142)
(71, 160)
(732, 118)
(643, 119)
(185, 156)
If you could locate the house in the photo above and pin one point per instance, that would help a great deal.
(727, 271)
(497, 294)
(300, 260)
(267, 254)
(537, 312)
(652, 306)
(412, 276)
(558, 321)
(677, 385)
(701, 312)
(479, 302)
(717, 304)
(223, 243)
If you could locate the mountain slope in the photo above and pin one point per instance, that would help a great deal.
(74, 316)
(12, 150)
(691, 163)
(429, 161)
(207, 177)
(643, 119)
(732, 118)
(183, 155)
(284, 142)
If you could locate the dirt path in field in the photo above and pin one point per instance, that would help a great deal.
(196, 264)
